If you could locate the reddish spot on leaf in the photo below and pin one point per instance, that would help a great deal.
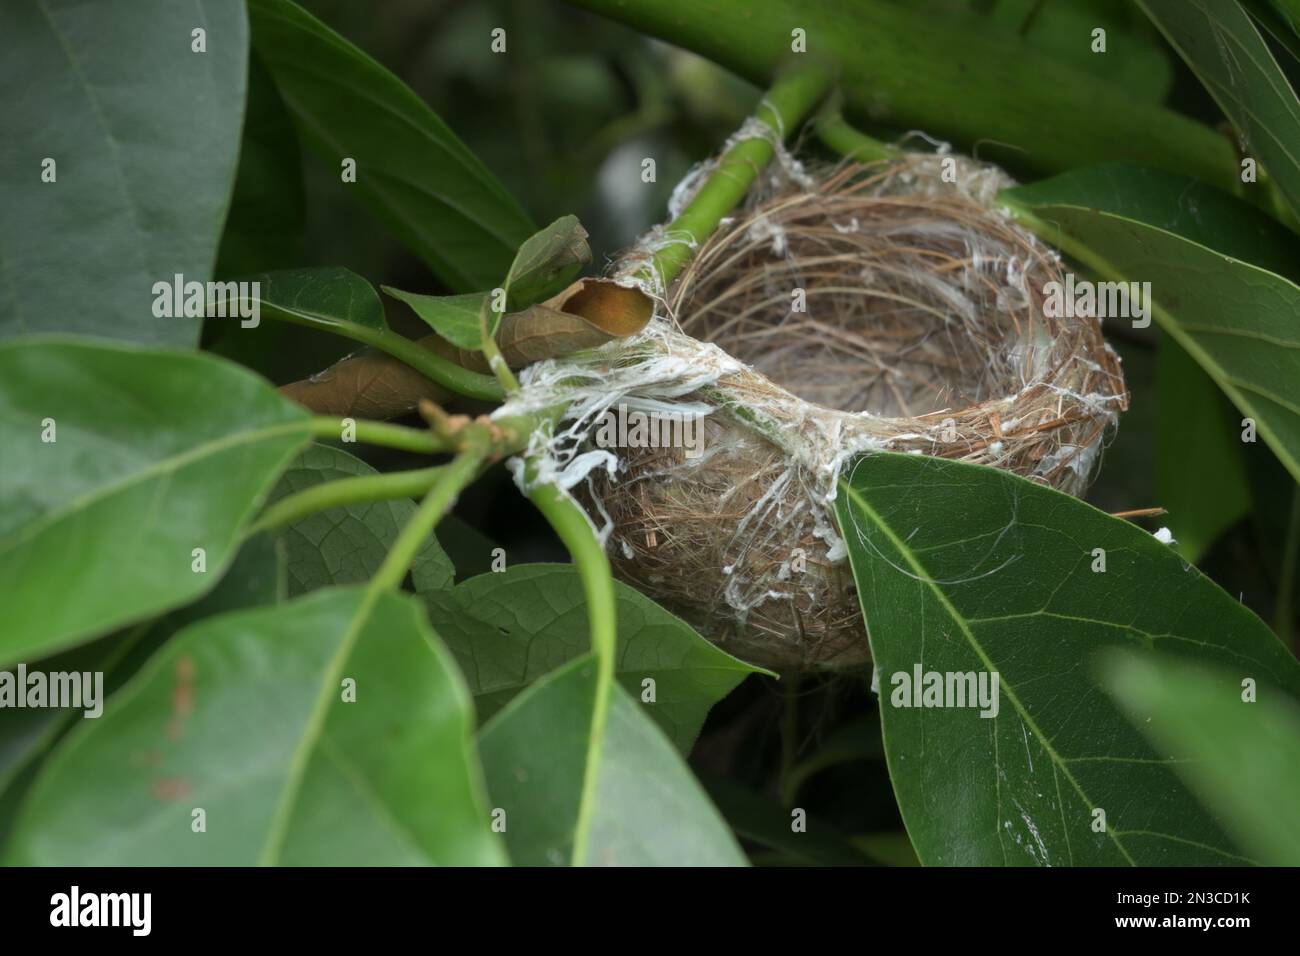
(171, 788)
(183, 700)
(146, 758)
(182, 697)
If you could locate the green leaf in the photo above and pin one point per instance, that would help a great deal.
(1135, 58)
(969, 570)
(267, 211)
(1270, 16)
(260, 692)
(508, 629)
(1275, 523)
(1242, 758)
(145, 136)
(903, 67)
(644, 807)
(255, 579)
(1207, 258)
(1200, 472)
(339, 301)
(547, 262)
(543, 266)
(321, 297)
(347, 545)
(410, 168)
(454, 317)
(157, 453)
(1225, 50)
(1289, 10)
(469, 549)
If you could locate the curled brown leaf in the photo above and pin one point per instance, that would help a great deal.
(371, 384)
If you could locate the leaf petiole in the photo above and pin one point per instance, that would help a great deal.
(346, 491)
(593, 567)
(793, 95)
(448, 484)
(380, 433)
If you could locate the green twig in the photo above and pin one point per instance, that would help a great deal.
(789, 100)
(381, 433)
(495, 360)
(446, 487)
(575, 532)
(589, 557)
(838, 136)
(346, 491)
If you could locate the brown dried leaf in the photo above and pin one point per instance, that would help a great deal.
(589, 313)
(368, 384)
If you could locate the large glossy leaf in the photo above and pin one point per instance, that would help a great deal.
(157, 453)
(244, 717)
(1242, 756)
(267, 209)
(470, 550)
(347, 545)
(410, 168)
(907, 68)
(643, 807)
(1271, 17)
(969, 570)
(509, 628)
(255, 578)
(1134, 58)
(144, 134)
(1207, 258)
(1225, 49)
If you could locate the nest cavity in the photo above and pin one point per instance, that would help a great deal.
(881, 309)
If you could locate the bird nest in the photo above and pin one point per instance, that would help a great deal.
(871, 308)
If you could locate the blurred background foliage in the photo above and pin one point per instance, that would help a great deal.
(564, 121)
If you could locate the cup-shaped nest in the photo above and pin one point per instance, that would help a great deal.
(878, 310)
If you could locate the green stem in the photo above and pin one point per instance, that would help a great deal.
(575, 532)
(790, 99)
(495, 360)
(430, 364)
(446, 487)
(346, 491)
(380, 433)
(598, 586)
(839, 137)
